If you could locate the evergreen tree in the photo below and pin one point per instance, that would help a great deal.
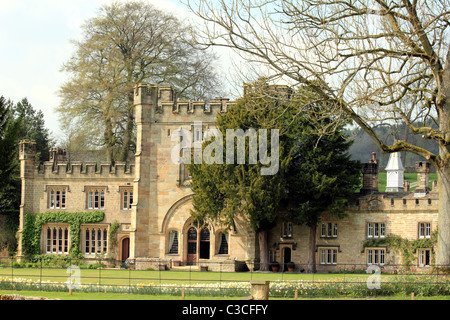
(33, 128)
(227, 192)
(321, 179)
(9, 129)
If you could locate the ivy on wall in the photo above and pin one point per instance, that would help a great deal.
(406, 247)
(31, 232)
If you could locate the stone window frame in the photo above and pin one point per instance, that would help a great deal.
(287, 230)
(219, 240)
(169, 247)
(421, 255)
(100, 244)
(90, 202)
(56, 236)
(371, 225)
(125, 205)
(328, 255)
(329, 230)
(375, 256)
(52, 196)
(426, 230)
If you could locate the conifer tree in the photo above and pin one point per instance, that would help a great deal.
(321, 179)
(226, 192)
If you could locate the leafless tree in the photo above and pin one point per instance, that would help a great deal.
(376, 61)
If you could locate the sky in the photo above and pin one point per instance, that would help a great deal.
(35, 42)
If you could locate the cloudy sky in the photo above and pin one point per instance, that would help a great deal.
(35, 41)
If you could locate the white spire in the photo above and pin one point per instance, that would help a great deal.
(395, 173)
(395, 162)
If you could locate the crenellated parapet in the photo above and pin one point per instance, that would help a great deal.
(94, 170)
(166, 107)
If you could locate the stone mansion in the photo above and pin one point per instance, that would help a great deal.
(150, 201)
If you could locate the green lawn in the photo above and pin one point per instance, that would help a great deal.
(411, 177)
(132, 277)
(118, 296)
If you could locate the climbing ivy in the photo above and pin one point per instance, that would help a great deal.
(406, 247)
(33, 225)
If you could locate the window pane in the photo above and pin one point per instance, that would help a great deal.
(49, 240)
(102, 199)
(87, 241)
(96, 200)
(204, 234)
(105, 240)
(125, 200)
(63, 199)
(192, 234)
(52, 199)
(99, 241)
(131, 200)
(66, 240)
(58, 199)
(60, 240)
(54, 240)
(223, 244)
(90, 200)
(93, 241)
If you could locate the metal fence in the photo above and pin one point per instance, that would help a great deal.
(101, 275)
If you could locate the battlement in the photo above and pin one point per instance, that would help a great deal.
(50, 170)
(166, 105)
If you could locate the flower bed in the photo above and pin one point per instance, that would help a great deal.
(423, 285)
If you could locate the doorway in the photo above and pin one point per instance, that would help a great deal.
(204, 243)
(191, 246)
(286, 257)
(125, 249)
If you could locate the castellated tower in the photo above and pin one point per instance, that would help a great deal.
(162, 191)
(27, 156)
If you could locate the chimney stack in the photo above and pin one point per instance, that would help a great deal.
(370, 176)
(423, 172)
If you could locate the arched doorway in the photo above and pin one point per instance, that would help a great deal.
(204, 243)
(198, 244)
(125, 248)
(191, 246)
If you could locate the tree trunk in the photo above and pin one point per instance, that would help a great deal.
(263, 250)
(128, 134)
(443, 239)
(109, 140)
(312, 249)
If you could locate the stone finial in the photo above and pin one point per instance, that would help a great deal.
(27, 150)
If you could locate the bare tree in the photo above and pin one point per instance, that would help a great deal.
(125, 44)
(365, 57)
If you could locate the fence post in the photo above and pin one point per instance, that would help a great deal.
(259, 290)
(12, 271)
(40, 276)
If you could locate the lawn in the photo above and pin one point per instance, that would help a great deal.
(123, 277)
(118, 296)
(133, 284)
(411, 177)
